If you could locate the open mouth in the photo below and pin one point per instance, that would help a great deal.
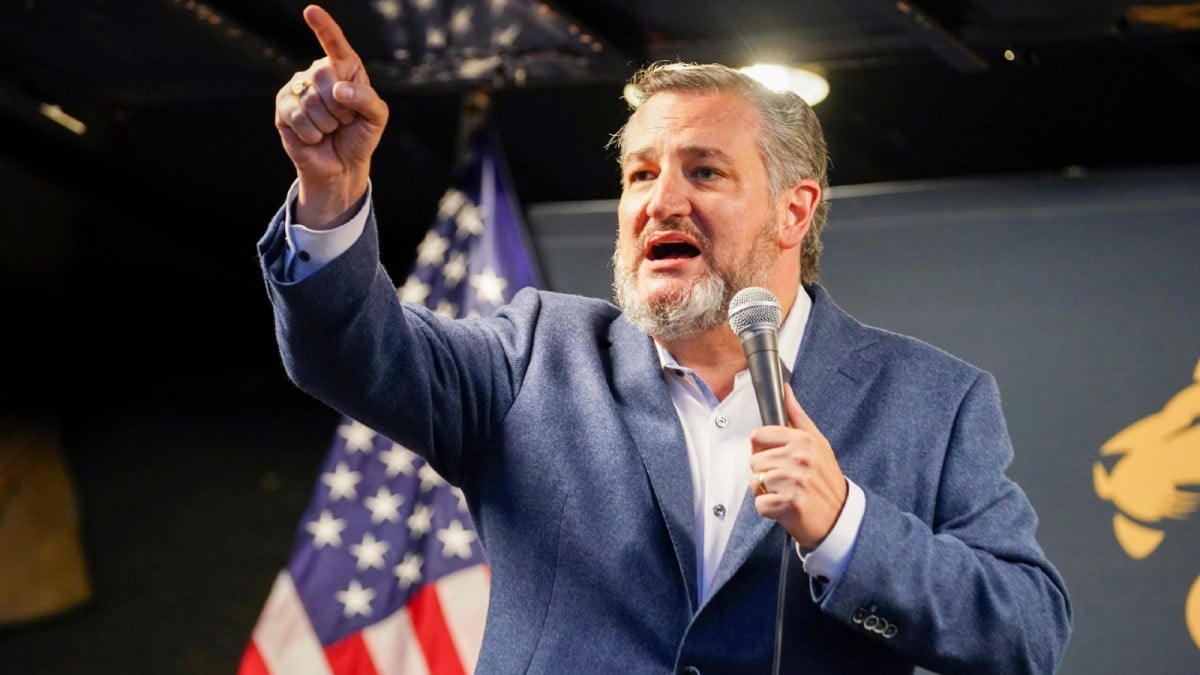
(671, 250)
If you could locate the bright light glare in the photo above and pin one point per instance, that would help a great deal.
(809, 85)
(53, 112)
(632, 96)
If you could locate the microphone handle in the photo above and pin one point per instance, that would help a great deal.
(762, 357)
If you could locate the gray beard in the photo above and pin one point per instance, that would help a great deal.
(691, 312)
(699, 308)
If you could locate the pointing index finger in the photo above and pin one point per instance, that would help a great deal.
(333, 41)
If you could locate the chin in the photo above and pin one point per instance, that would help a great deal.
(655, 292)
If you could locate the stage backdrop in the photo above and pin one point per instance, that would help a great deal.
(1080, 292)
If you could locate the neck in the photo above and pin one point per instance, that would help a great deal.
(716, 355)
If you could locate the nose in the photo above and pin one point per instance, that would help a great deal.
(669, 198)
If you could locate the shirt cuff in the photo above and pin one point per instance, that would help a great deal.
(308, 250)
(828, 561)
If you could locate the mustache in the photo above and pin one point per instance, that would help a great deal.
(673, 224)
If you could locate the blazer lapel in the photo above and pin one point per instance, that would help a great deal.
(653, 424)
(830, 376)
(834, 367)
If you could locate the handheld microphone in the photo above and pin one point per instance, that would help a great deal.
(755, 315)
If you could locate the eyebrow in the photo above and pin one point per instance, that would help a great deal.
(689, 152)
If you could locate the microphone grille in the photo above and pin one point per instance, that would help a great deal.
(754, 307)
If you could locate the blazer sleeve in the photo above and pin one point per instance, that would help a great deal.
(971, 592)
(435, 385)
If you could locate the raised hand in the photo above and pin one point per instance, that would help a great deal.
(330, 121)
(805, 489)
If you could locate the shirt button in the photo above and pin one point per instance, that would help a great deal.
(303, 255)
(722, 421)
(719, 511)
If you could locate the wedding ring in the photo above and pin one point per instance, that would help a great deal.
(762, 484)
(300, 84)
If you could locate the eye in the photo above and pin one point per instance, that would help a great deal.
(706, 173)
(640, 175)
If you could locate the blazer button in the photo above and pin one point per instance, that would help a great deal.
(690, 670)
(859, 615)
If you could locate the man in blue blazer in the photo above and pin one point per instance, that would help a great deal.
(635, 512)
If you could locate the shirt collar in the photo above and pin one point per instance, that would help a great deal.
(790, 334)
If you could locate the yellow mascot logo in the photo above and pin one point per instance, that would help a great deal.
(1155, 478)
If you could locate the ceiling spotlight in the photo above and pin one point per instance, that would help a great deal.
(808, 84)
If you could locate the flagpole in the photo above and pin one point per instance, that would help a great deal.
(473, 112)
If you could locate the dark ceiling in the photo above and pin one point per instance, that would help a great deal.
(180, 168)
(920, 89)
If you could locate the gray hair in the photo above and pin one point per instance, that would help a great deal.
(791, 142)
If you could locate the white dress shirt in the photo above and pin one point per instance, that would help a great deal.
(718, 445)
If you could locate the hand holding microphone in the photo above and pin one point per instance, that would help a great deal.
(795, 475)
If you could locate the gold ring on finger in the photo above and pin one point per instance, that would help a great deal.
(300, 84)
(762, 483)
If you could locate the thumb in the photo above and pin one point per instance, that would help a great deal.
(362, 99)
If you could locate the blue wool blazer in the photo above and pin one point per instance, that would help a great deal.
(554, 418)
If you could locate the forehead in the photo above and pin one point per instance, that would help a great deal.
(671, 121)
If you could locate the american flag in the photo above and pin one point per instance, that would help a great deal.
(387, 574)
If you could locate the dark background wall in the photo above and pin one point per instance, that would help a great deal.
(192, 456)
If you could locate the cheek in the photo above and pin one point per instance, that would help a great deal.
(628, 216)
(628, 228)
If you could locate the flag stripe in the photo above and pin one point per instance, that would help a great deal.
(394, 647)
(284, 635)
(351, 657)
(252, 662)
(430, 627)
(386, 575)
(464, 599)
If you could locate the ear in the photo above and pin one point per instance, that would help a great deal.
(797, 206)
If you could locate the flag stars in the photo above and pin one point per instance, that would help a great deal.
(388, 9)
(456, 269)
(456, 541)
(462, 498)
(507, 36)
(470, 221)
(326, 530)
(399, 460)
(384, 506)
(460, 21)
(432, 249)
(408, 572)
(446, 308)
(429, 478)
(435, 37)
(356, 599)
(450, 203)
(359, 437)
(369, 552)
(420, 521)
(413, 291)
(342, 482)
(489, 286)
